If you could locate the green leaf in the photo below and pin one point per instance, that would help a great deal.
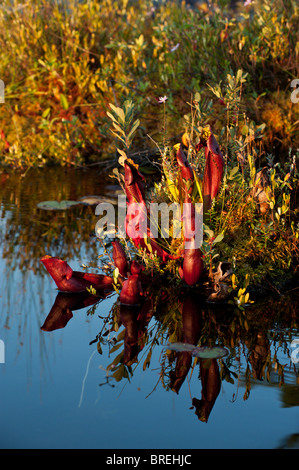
(118, 136)
(119, 112)
(134, 128)
(115, 275)
(111, 116)
(118, 128)
(219, 238)
(121, 115)
(233, 172)
(198, 186)
(173, 189)
(64, 102)
(55, 205)
(208, 231)
(46, 113)
(206, 352)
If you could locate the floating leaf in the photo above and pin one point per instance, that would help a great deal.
(94, 200)
(55, 205)
(180, 347)
(203, 352)
(206, 352)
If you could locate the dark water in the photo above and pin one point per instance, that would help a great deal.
(58, 391)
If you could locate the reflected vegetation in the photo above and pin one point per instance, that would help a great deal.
(28, 232)
(258, 341)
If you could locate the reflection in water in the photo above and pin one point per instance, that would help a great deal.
(61, 311)
(135, 321)
(291, 442)
(211, 384)
(27, 233)
(255, 339)
(259, 351)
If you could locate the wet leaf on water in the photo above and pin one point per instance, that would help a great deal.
(180, 347)
(55, 205)
(94, 200)
(203, 352)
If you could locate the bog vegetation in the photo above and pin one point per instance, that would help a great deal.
(62, 62)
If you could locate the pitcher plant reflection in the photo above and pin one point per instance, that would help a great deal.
(136, 335)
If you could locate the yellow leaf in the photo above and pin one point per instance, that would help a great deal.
(198, 186)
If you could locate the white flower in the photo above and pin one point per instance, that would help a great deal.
(162, 99)
(247, 3)
(174, 48)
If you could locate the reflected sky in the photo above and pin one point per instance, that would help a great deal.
(56, 391)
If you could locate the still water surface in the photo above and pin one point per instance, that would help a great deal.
(55, 388)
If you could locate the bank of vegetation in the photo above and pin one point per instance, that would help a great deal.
(62, 62)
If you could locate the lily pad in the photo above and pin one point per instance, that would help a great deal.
(95, 200)
(206, 352)
(203, 352)
(181, 347)
(55, 205)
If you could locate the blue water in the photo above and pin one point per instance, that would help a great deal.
(51, 397)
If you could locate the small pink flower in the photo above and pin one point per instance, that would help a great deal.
(162, 99)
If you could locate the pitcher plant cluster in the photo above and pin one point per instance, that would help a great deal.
(246, 209)
(249, 239)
